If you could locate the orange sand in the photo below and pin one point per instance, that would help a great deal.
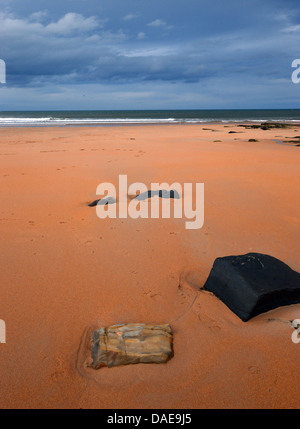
(63, 269)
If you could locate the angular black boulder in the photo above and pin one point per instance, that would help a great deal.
(253, 283)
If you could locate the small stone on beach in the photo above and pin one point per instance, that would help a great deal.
(131, 343)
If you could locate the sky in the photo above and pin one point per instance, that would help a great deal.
(149, 54)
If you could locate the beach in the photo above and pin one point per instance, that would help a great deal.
(64, 270)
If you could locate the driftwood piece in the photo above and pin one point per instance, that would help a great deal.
(132, 343)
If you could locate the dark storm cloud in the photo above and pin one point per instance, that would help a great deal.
(135, 41)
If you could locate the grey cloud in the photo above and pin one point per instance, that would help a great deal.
(38, 16)
(72, 22)
(157, 23)
(76, 49)
(130, 16)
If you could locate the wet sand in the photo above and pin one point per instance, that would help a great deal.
(63, 269)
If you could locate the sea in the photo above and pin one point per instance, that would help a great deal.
(142, 117)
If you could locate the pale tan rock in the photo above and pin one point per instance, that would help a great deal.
(131, 343)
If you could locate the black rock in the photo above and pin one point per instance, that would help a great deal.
(267, 125)
(162, 193)
(102, 202)
(254, 283)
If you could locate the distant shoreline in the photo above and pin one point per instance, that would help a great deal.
(142, 124)
(145, 117)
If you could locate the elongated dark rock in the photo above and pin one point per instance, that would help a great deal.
(102, 202)
(162, 193)
(131, 343)
(253, 283)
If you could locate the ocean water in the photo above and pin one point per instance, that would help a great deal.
(123, 117)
